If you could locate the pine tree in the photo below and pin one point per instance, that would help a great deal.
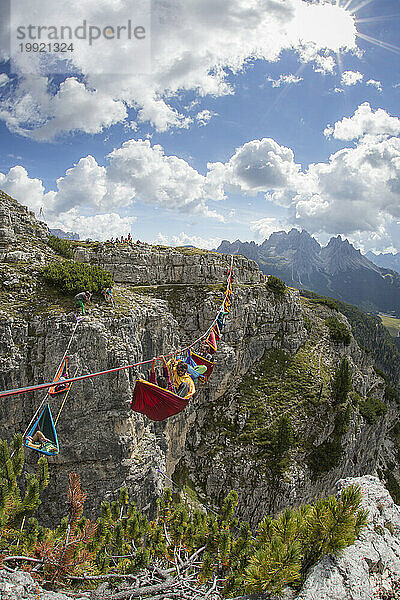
(14, 508)
(341, 382)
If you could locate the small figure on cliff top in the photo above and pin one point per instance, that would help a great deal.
(82, 298)
(108, 295)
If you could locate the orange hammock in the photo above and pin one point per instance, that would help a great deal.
(62, 373)
(212, 342)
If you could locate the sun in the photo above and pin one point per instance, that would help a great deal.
(352, 7)
(329, 26)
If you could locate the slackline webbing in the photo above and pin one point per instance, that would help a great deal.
(44, 386)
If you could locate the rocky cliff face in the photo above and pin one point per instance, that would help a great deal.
(142, 264)
(276, 360)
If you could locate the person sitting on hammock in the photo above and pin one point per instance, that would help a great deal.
(184, 386)
(164, 380)
(39, 440)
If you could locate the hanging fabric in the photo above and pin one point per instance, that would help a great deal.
(45, 424)
(155, 402)
(61, 374)
(216, 331)
(200, 360)
(212, 342)
(221, 319)
(195, 371)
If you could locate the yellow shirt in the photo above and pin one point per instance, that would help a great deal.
(178, 379)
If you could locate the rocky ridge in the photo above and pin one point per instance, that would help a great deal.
(337, 269)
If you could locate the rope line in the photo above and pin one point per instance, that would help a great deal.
(65, 399)
(47, 393)
(44, 386)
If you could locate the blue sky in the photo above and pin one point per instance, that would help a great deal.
(292, 120)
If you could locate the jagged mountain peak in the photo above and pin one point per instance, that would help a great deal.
(340, 255)
(337, 269)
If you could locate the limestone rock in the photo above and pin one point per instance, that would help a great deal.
(152, 265)
(370, 568)
(20, 586)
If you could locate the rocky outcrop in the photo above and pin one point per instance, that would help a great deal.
(20, 586)
(142, 264)
(17, 224)
(370, 568)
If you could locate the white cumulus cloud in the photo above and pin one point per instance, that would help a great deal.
(284, 80)
(204, 117)
(375, 83)
(259, 165)
(351, 77)
(196, 46)
(264, 227)
(184, 239)
(137, 171)
(98, 227)
(364, 121)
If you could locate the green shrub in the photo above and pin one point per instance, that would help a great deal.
(307, 324)
(16, 505)
(341, 382)
(276, 285)
(286, 547)
(329, 302)
(371, 409)
(338, 331)
(62, 247)
(391, 395)
(73, 277)
(325, 457)
(274, 446)
(342, 421)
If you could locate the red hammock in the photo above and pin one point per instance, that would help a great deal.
(212, 342)
(200, 360)
(155, 402)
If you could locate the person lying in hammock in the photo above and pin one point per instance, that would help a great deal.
(164, 380)
(184, 386)
(40, 440)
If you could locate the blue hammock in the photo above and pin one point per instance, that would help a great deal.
(45, 424)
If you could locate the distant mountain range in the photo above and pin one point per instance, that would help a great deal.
(337, 270)
(65, 235)
(388, 261)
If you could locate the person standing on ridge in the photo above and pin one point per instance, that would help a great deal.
(82, 298)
